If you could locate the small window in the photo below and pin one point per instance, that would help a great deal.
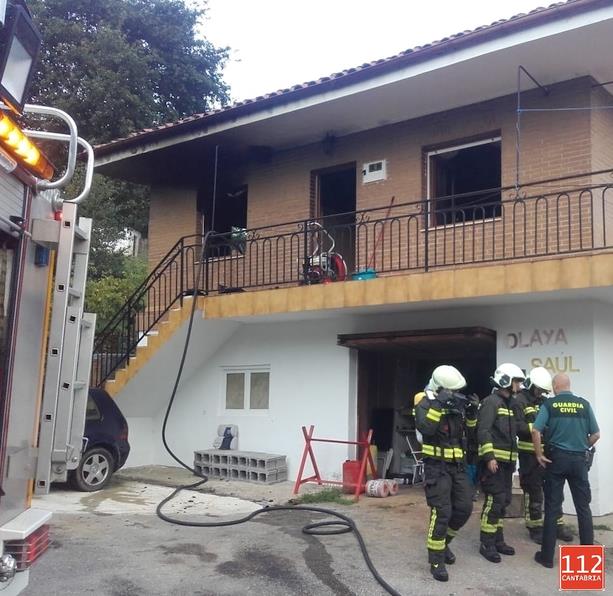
(258, 392)
(92, 413)
(247, 390)
(235, 391)
(459, 178)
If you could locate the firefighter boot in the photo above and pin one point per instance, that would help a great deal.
(449, 556)
(501, 546)
(490, 553)
(437, 566)
(564, 533)
(536, 535)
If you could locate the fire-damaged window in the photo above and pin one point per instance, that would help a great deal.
(229, 219)
(231, 210)
(464, 182)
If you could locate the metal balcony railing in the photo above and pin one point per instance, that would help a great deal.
(477, 228)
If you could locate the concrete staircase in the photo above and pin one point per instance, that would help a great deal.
(151, 343)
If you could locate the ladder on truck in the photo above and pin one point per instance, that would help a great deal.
(69, 356)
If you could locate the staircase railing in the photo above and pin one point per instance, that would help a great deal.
(489, 226)
(167, 284)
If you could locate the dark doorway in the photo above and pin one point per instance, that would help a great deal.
(336, 205)
(222, 200)
(393, 366)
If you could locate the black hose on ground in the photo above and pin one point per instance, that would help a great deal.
(341, 525)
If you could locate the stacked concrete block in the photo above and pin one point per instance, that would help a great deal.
(263, 468)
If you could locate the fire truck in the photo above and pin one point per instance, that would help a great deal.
(45, 337)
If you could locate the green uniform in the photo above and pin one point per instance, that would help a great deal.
(570, 421)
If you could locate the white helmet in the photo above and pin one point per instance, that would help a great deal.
(505, 373)
(539, 377)
(446, 377)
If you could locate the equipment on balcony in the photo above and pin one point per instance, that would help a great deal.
(323, 266)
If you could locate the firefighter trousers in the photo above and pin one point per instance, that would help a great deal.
(531, 479)
(496, 489)
(531, 476)
(449, 496)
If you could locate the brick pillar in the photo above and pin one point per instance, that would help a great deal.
(173, 213)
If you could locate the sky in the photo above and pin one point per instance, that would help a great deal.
(278, 43)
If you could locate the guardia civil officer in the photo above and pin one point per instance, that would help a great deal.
(531, 474)
(441, 417)
(571, 431)
(496, 433)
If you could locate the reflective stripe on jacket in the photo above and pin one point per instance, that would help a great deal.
(526, 409)
(443, 430)
(497, 429)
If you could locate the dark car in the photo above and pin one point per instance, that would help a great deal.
(106, 446)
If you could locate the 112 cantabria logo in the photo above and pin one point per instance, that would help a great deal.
(582, 567)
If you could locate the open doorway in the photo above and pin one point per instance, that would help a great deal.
(336, 205)
(393, 366)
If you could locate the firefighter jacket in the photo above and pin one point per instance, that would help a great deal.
(526, 409)
(496, 429)
(443, 429)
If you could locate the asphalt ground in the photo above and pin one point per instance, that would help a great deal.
(112, 544)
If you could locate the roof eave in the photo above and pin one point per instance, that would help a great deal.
(115, 150)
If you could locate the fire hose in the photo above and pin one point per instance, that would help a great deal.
(342, 524)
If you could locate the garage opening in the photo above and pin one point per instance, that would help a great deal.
(393, 366)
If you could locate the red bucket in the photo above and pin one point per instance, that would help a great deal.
(351, 474)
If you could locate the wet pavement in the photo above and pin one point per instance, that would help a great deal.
(112, 544)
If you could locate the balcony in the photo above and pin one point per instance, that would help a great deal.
(455, 233)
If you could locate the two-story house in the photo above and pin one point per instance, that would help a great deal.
(467, 188)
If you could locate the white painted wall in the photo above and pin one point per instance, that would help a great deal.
(313, 381)
(600, 476)
(309, 384)
(561, 338)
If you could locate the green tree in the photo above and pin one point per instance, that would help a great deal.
(118, 66)
(105, 296)
(122, 65)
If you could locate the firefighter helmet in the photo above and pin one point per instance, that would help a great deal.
(539, 377)
(446, 377)
(418, 397)
(505, 373)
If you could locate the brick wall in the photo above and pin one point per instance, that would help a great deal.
(602, 159)
(552, 145)
(172, 214)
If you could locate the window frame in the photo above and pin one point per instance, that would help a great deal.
(99, 417)
(430, 213)
(246, 410)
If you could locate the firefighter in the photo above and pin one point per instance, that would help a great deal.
(496, 433)
(441, 418)
(528, 401)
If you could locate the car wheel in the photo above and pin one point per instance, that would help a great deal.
(95, 470)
